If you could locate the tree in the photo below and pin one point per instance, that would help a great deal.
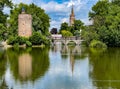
(64, 26)
(40, 20)
(3, 32)
(105, 16)
(3, 4)
(117, 2)
(66, 33)
(53, 31)
(77, 26)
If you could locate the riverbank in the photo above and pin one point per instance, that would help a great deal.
(5, 45)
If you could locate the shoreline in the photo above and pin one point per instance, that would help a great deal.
(5, 45)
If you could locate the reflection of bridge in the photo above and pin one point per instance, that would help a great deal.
(66, 40)
(75, 50)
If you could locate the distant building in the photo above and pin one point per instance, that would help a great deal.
(56, 36)
(72, 17)
(24, 24)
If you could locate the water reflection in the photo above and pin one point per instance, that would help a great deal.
(61, 67)
(73, 53)
(3, 63)
(25, 65)
(105, 67)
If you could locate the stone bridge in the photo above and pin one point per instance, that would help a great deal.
(66, 40)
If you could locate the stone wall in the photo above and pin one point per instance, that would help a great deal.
(25, 25)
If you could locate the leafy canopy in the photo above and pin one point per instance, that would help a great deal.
(40, 20)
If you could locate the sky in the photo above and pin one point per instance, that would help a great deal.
(59, 10)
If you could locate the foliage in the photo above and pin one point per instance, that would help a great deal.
(34, 60)
(88, 34)
(37, 39)
(78, 25)
(105, 16)
(77, 33)
(66, 33)
(117, 2)
(53, 31)
(17, 39)
(3, 32)
(97, 44)
(3, 4)
(40, 20)
(28, 44)
(64, 26)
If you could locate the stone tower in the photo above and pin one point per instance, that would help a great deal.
(72, 17)
(24, 24)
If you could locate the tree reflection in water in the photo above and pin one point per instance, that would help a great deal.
(28, 64)
(105, 67)
(3, 62)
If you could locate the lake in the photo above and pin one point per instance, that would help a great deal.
(60, 67)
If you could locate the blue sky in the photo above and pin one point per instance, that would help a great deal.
(59, 10)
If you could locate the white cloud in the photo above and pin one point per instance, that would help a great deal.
(54, 7)
(64, 20)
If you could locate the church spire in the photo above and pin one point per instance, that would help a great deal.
(72, 11)
(72, 17)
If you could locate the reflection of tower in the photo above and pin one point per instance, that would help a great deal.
(72, 61)
(72, 17)
(24, 24)
(25, 66)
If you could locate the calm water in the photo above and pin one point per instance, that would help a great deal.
(60, 67)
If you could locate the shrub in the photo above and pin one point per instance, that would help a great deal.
(20, 40)
(17, 39)
(97, 44)
(66, 33)
(28, 43)
(36, 38)
(11, 40)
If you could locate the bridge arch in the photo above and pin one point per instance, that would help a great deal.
(66, 40)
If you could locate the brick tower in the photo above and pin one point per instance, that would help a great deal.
(72, 17)
(24, 24)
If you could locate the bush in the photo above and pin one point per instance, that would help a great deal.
(13, 40)
(97, 44)
(20, 40)
(66, 33)
(28, 43)
(38, 39)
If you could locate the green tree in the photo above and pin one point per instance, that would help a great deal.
(3, 32)
(66, 33)
(117, 2)
(76, 28)
(37, 39)
(3, 4)
(64, 26)
(105, 16)
(40, 20)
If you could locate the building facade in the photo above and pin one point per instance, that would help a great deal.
(24, 24)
